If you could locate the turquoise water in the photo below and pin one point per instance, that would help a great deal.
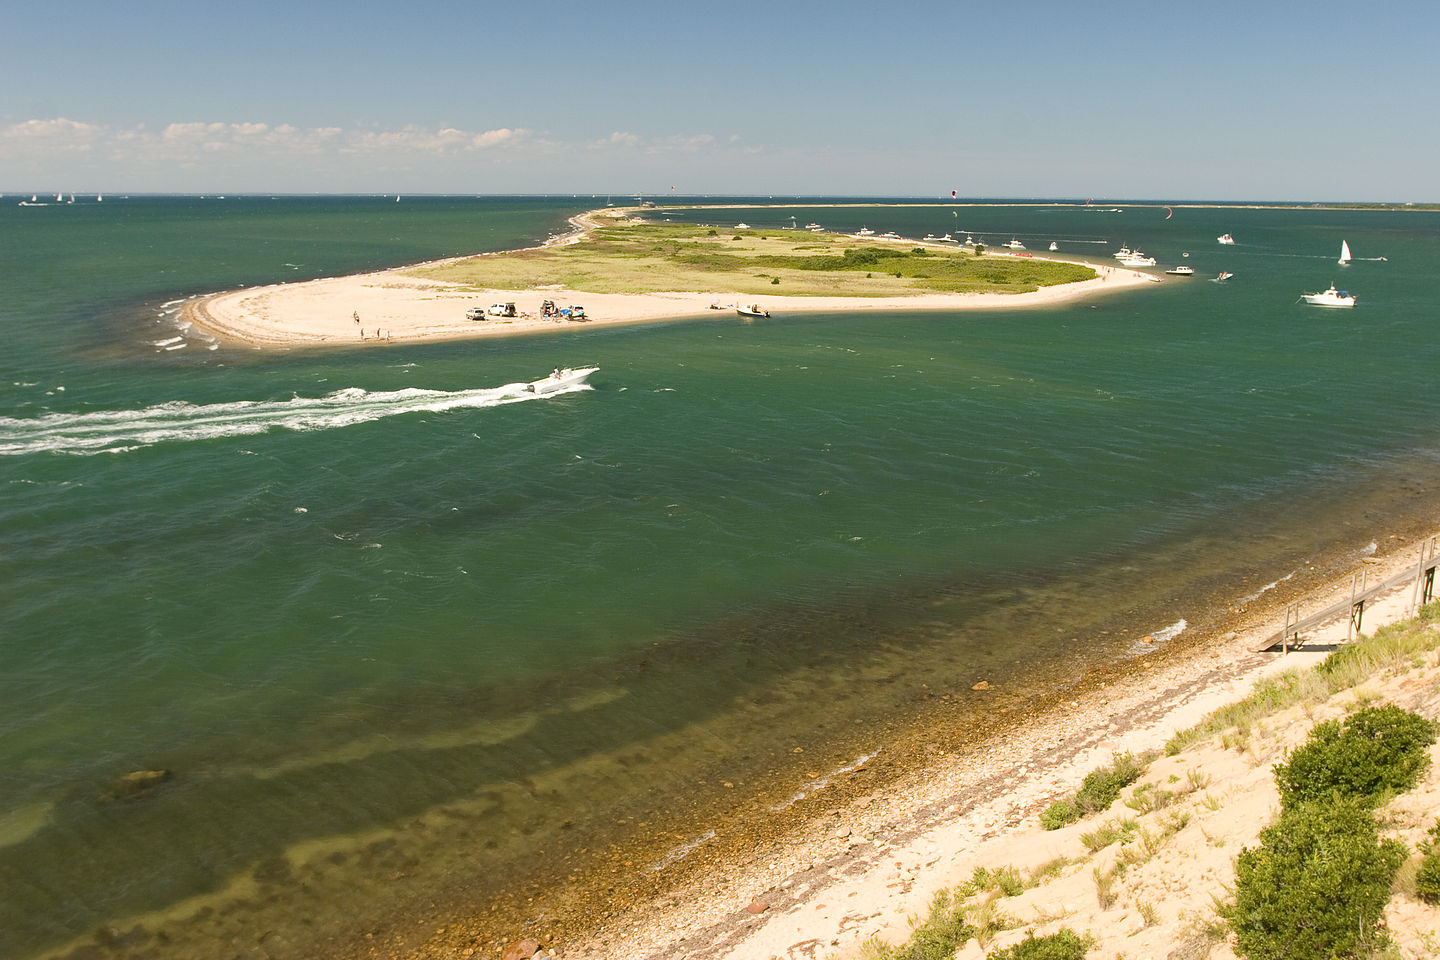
(341, 594)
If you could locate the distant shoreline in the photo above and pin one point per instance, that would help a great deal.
(390, 306)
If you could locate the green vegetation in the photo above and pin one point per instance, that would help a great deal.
(1375, 752)
(1100, 788)
(1316, 887)
(936, 938)
(1392, 647)
(646, 258)
(1427, 877)
(1063, 945)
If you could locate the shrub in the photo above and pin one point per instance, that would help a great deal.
(1427, 878)
(938, 937)
(1059, 814)
(1375, 751)
(1102, 786)
(1063, 945)
(1316, 887)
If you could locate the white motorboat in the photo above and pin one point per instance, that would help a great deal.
(1123, 252)
(1330, 298)
(562, 378)
(1054, 246)
(1181, 271)
(742, 226)
(1344, 254)
(931, 238)
(1138, 259)
(813, 227)
(1223, 276)
(1225, 238)
(865, 232)
(892, 235)
(752, 311)
(1014, 244)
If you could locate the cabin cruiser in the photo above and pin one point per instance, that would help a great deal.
(1124, 252)
(1330, 298)
(1014, 244)
(1138, 259)
(1181, 271)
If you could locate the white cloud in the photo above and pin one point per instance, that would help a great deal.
(202, 155)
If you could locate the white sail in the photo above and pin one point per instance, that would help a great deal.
(1344, 252)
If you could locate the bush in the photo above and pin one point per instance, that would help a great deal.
(1059, 814)
(944, 932)
(1427, 878)
(1064, 945)
(1101, 787)
(1374, 752)
(1316, 887)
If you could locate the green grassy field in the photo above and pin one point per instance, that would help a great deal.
(647, 258)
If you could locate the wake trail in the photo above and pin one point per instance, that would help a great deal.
(118, 431)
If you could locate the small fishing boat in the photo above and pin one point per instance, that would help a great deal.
(1181, 271)
(1224, 275)
(1344, 254)
(1054, 246)
(1330, 298)
(752, 311)
(560, 379)
(813, 227)
(865, 232)
(891, 236)
(1226, 239)
(1014, 244)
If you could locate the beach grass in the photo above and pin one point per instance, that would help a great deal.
(631, 257)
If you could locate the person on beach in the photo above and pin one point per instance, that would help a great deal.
(357, 316)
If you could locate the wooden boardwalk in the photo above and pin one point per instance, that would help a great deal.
(1421, 574)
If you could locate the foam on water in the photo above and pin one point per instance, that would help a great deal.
(111, 431)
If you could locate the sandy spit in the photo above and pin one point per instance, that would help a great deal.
(390, 306)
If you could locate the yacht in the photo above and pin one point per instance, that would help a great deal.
(1330, 298)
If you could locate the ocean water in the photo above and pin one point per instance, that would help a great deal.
(392, 632)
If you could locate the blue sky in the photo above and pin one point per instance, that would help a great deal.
(1218, 101)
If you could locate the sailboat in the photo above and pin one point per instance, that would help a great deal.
(1344, 254)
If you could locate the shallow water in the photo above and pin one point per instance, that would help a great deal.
(392, 632)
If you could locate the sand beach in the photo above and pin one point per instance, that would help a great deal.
(872, 868)
(391, 306)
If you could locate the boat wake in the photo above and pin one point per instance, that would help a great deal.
(120, 431)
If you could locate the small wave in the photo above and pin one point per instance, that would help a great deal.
(1172, 631)
(116, 431)
(1266, 589)
(684, 850)
(821, 783)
